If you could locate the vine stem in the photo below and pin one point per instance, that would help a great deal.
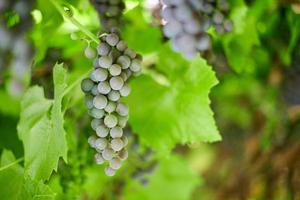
(11, 164)
(70, 17)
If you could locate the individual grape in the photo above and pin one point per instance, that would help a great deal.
(186, 42)
(107, 154)
(124, 61)
(99, 75)
(102, 131)
(130, 52)
(110, 107)
(105, 61)
(95, 123)
(115, 163)
(122, 109)
(116, 132)
(172, 28)
(100, 143)
(114, 95)
(99, 159)
(91, 141)
(117, 144)
(112, 39)
(96, 113)
(183, 13)
(103, 87)
(89, 52)
(109, 171)
(103, 49)
(218, 18)
(100, 101)
(89, 101)
(122, 121)
(86, 85)
(110, 120)
(203, 42)
(192, 27)
(115, 70)
(122, 45)
(125, 90)
(135, 65)
(123, 154)
(116, 83)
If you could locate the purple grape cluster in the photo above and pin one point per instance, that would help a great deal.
(110, 12)
(186, 23)
(108, 82)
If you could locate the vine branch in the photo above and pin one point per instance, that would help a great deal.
(66, 12)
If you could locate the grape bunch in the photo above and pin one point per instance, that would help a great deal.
(110, 12)
(108, 82)
(186, 23)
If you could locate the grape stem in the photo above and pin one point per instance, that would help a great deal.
(11, 164)
(67, 13)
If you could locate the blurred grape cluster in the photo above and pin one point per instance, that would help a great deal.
(15, 50)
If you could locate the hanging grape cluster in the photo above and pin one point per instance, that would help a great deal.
(186, 23)
(108, 82)
(110, 12)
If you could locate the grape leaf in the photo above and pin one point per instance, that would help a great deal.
(16, 185)
(41, 128)
(172, 179)
(177, 112)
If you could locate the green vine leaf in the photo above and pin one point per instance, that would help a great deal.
(16, 185)
(177, 112)
(41, 128)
